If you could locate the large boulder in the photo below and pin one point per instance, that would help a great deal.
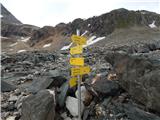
(138, 75)
(105, 87)
(40, 106)
(44, 82)
(6, 87)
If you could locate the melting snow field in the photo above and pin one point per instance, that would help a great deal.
(47, 45)
(93, 40)
(13, 44)
(66, 47)
(3, 37)
(152, 25)
(21, 51)
(26, 39)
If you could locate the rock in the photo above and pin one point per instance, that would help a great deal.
(40, 106)
(6, 87)
(11, 118)
(17, 91)
(11, 107)
(72, 106)
(13, 98)
(105, 87)
(67, 118)
(138, 73)
(18, 103)
(63, 94)
(64, 115)
(45, 82)
(4, 105)
(86, 97)
(134, 113)
(4, 115)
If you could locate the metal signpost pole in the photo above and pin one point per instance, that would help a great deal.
(79, 97)
(79, 90)
(80, 68)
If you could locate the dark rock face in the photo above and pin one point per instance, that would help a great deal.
(134, 113)
(11, 30)
(119, 18)
(139, 48)
(40, 106)
(42, 33)
(6, 87)
(41, 83)
(8, 17)
(106, 87)
(33, 57)
(11, 26)
(139, 76)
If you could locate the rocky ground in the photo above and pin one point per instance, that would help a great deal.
(123, 85)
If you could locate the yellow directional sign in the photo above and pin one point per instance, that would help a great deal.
(80, 40)
(80, 70)
(77, 61)
(73, 81)
(76, 50)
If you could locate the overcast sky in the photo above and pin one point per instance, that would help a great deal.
(52, 12)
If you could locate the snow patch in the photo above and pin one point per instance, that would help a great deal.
(92, 40)
(13, 44)
(3, 37)
(78, 32)
(1, 16)
(152, 25)
(143, 13)
(47, 45)
(89, 25)
(84, 33)
(21, 51)
(66, 47)
(26, 39)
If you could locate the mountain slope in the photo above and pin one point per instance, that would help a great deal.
(12, 27)
(7, 17)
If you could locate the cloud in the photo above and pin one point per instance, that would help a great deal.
(52, 12)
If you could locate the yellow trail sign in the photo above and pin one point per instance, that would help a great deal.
(80, 70)
(77, 61)
(80, 40)
(73, 81)
(76, 50)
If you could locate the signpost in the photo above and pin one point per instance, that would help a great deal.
(79, 67)
(76, 50)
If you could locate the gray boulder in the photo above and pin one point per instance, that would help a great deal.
(41, 83)
(138, 75)
(40, 106)
(6, 87)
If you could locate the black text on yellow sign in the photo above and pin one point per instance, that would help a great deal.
(80, 40)
(73, 81)
(80, 70)
(77, 61)
(76, 50)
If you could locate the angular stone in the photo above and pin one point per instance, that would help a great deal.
(138, 75)
(6, 87)
(105, 87)
(72, 106)
(40, 106)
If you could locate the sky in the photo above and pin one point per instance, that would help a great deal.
(52, 12)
